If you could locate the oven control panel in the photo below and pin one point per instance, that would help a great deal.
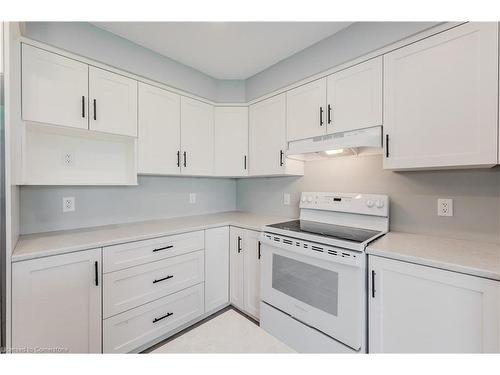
(366, 204)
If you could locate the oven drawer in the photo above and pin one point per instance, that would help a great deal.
(130, 330)
(130, 254)
(131, 287)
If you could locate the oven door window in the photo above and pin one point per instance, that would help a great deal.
(315, 286)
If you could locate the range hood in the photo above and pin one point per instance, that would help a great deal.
(354, 142)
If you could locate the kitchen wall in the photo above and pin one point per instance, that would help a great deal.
(154, 197)
(87, 40)
(352, 42)
(413, 195)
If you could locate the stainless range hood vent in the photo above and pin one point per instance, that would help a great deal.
(355, 142)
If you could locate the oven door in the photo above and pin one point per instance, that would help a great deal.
(322, 290)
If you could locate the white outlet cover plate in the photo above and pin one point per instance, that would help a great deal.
(68, 204)
(445, 207)
(286, 198)
(192, 198)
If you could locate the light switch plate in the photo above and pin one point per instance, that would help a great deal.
(192, 198)
(445, 207)
(68, 204)
(286, 198)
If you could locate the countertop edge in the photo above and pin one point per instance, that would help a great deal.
(93, 245)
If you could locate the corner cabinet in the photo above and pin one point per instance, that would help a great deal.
(245, 270)
(216, 268)
(56, 303)
(441, 100)
(231, 141)
(420, 309)
(268, 141)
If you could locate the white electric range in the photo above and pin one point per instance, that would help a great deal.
(313, 272)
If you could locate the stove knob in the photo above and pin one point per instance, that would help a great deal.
(379, 203)
(309, 199)
(304, 199)
(369, 203)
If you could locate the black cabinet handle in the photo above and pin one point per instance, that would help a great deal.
(95, 110)
(281, 158)
(83, 106)
(239, 244)
(163, 248)
(178, 158)
(329, 114)
(162, 317)
(185, 159)
(258, 250)
(387, 145)
(245, 162)
(96, 270)
(373, 284)
(320, 116)
(162, 279)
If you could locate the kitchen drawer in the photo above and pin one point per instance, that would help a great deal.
(128, 331)
(131, 287)
(122, 256)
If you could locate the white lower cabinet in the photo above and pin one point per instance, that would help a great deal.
(216, 268)
(245, 270)
(415, 309)
(137, 327)
(56, 303)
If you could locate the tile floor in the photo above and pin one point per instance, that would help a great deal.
(229, 332)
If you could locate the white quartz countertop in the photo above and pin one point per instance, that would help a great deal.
(470, 257)
(60, 242)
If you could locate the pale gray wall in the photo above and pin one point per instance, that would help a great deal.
(413, 195)
(349, 43)
(94, 43)
(153, 198)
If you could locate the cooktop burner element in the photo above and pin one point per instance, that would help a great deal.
(341, 232)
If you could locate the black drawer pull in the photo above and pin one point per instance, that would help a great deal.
(96, 271)
(95, 110)
(281, 158)
(162, 317)
(162, 279)
(185, 159)
(83, 106)
(258, 251)
(373, 284)
(239, 244)
(178, 158)
(163, 248)
(387, 145)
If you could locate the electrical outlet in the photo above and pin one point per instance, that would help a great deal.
(192, 198)
(68, 159)
(68, 204)
(286, 198)
(445, 207)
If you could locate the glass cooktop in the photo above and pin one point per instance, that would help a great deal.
(340, 232)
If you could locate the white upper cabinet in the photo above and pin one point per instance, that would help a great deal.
(159, 131)
(419, 309)
(355, 97)
(197, 137)
(306, 110)
(267, 139)
(54, 89)
(113, 102)
(441, 100)
(231, 141)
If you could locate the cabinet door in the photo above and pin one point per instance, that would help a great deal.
(113, 102)
(355, 97)
(216, 268)
(159, 131)
(236, 276)
(441, 99)
(197, 137)
(56, 303)
(267, 136)
(423, 309)
(231, 141)
(54, 89)
(306, 111)
(251, 254)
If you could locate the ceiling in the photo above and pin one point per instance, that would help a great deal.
(225, 50)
